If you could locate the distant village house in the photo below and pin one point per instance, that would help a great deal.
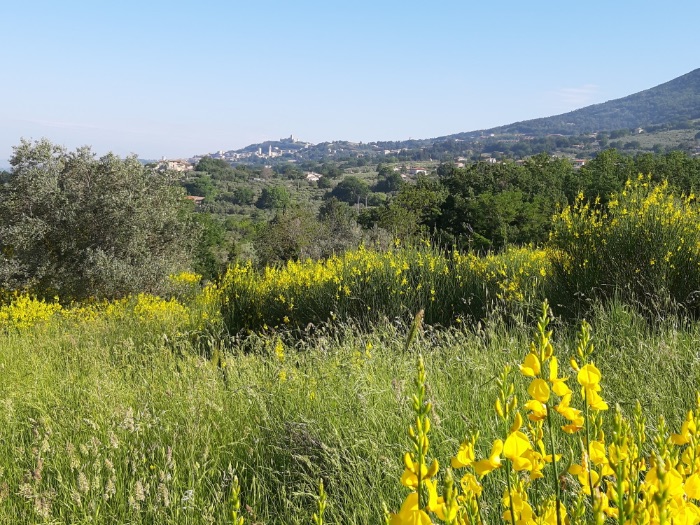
(174, 165)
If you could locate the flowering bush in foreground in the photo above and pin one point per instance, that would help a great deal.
(557, 465)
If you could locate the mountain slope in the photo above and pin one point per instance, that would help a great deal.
(667, 106)
(674, 101)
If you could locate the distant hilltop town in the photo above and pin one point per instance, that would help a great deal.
(286, 147)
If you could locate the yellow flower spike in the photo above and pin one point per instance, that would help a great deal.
(499, 408)
(597, 453)
(692, 486)
(687, 430)
(559, 386)
(617, 453)
(531, 366)
(539, 390)
(675, 483)
(593, 399)
(408, 462)
(686, 513)
(538, 410)
(549, 516)
(409, 478)
(512, 404)
(433, 470)
(548, 350)
(515, 446)
(425, 444)
(435, 503)
(536, 464)
(465, 455)
(581, 472)
(521, 508)
(410, 513)
(470, 484)
(572, 414)
(553, 368)
(574, 364)
(603, 504)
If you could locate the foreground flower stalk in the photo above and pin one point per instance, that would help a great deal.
(611, 481)
(417, 474)
(541, 391)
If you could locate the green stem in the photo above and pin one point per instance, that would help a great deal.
(557, 489)
(588, 447)
(620, 499)
(480, 518)
(419, 474)
(510, 496)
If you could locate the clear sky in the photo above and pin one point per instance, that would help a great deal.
(181, 78)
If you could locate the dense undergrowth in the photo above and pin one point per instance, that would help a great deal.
(124, 422)
(643, 247)
(153, 410)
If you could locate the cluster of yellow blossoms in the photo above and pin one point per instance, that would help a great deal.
(367, 284)
(545, 481)
(24, 311)
(645, 241)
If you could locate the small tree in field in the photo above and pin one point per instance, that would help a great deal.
(77, 226)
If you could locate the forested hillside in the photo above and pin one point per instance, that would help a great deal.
(675, 101)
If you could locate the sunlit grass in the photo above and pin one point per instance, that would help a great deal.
(147, 409)
(118, 423)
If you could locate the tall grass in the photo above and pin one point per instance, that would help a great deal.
(115, 423)
(147, 409)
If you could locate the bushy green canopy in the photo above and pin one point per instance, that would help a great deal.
(78, 226)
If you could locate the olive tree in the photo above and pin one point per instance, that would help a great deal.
(78, 226)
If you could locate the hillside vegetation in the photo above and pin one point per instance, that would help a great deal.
(232, 402)
(502, 342)
(675, 101)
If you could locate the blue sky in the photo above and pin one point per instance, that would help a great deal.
(179, 78)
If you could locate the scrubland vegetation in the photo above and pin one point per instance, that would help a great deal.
(417, 384)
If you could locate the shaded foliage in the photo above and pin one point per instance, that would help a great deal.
(274, 197)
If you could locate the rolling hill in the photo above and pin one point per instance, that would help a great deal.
(672, 102)
(673, 105)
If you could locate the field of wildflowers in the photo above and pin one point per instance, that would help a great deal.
(124, 421)
(206, 406)
(560, 464)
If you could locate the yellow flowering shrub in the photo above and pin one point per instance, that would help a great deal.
(367, 285)
(25, 311)
(644, 246)
(184, 285)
